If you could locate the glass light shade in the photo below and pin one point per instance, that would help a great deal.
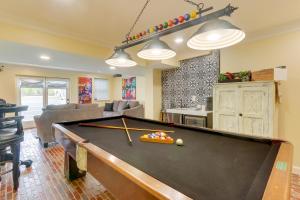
(121, 59)
(156, 50)
(216, 34)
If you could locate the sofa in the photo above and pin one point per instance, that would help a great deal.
(129, 108)
(58, 113)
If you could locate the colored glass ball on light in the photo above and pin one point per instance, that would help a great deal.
(175, 21)
(181, 19)
(187, 17)
(133, 37)
(156, 28)
(193, 14)
(137, 36)
(170, 23)
(161, 27)
(166, 24)
(141, 34)
(145, 33)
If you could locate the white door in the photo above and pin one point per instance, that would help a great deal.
(225, 108)
(253, 116)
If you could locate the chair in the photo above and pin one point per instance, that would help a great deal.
(11, 135)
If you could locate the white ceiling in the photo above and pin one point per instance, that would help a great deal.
(20, 54)
(105, 22)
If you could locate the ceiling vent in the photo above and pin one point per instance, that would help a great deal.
(117, 75)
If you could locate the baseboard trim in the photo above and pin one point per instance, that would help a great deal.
(296, 170)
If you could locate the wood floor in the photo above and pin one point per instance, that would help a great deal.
(45, 180)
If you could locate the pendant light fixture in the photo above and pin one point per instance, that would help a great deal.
(120, 59)
(216, 34)
(156, 50)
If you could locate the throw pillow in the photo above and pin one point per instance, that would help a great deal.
(133, 104)
(127, 107)
(122, 105)
(109, 107)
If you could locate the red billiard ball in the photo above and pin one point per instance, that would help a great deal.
(181, 19)
(170, 23)
(161, 27)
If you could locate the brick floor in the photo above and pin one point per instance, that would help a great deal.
(45, 180)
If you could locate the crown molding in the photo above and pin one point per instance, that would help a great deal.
(292, 26)
(25, 24)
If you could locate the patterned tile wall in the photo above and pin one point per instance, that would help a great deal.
(194, 77)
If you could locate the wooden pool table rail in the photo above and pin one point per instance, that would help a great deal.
(278, 186)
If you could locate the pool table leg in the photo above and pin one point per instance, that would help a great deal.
(71, 170)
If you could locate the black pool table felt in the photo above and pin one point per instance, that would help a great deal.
(208, 166)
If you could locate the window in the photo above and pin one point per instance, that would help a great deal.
(37, 92)
(101, 90)
(57, 90)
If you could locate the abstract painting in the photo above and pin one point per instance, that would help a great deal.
(85, 90)
(129, 88)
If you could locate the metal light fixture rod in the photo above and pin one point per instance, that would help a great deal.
(227, 11)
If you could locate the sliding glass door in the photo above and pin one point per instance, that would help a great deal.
(57, 91)
(31, 92)
(38, 92)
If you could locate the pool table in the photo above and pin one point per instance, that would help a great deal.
(210, 165)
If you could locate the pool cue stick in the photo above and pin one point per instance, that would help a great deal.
(127, 132)
(122, 128)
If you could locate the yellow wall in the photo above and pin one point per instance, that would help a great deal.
(148, 92)
(157, 94)
(42, 39)
(8, 87)
(268, 53)
(140, 90)
(153, 94)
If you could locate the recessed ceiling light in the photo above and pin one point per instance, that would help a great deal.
(112, 67)
(178, 40)
(45, 57)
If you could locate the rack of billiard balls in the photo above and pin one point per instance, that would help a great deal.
(160, 137)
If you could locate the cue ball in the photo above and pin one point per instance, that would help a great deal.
(179, 142)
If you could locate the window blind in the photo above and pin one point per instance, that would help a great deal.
(57, 84)
(101, 90)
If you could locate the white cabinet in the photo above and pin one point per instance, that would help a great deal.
(246, 108)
